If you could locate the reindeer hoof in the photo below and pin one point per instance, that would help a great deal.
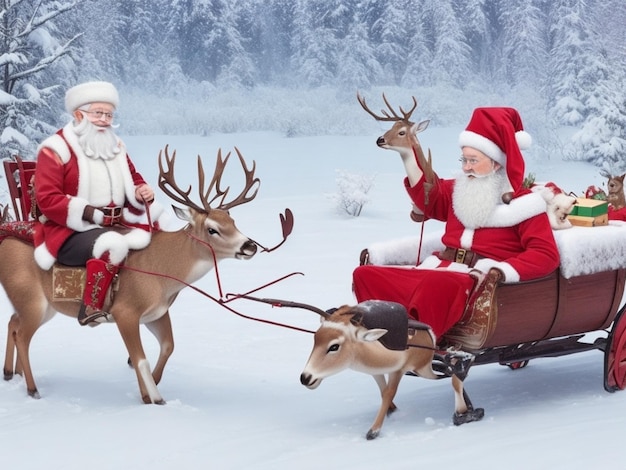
(371, 434)
(34, 394)
(8, 374)
(469, 416)
(148, 401)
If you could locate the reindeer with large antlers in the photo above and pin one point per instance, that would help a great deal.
(148, 283)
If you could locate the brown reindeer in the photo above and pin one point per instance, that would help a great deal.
(347, 340)
(402, 137)
(615, 186)
(142, 298)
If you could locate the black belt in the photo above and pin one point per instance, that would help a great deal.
(460, 255)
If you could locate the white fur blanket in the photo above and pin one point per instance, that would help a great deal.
(583, 250)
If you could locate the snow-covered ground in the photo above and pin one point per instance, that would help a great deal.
(234, 400)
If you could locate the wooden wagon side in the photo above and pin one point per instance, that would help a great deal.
(536, 310)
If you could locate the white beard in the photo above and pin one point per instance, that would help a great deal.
(475, 199)
(97, 142)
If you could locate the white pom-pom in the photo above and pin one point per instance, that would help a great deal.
(524, 140)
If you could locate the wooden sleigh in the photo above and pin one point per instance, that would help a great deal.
(511, 324)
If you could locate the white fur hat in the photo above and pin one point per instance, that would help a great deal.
(90, 92)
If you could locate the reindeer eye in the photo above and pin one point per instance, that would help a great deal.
(212, 231)
(402, 133)
(333, 348)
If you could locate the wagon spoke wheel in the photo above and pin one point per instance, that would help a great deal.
(615, 355)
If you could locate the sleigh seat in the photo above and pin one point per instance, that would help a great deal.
(19, 174)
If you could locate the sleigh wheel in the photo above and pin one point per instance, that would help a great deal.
(517, 365)
(615, 355)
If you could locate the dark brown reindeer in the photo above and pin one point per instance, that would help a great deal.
(185, 255)
(615, 187)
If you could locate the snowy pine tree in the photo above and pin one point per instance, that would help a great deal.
(32, 50)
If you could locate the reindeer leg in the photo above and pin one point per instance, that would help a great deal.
(464, 411)
(128, 326)
(388, 395)
(162, 330)
(9, 355)
(22, 332)
(382, 384)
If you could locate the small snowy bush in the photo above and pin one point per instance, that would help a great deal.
(352, 190)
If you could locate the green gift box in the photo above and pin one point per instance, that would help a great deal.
(590, 207)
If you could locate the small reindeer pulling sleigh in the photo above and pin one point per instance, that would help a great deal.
(508, 324)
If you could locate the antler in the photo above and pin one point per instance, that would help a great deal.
(606, 174)
(244, 196)
(167, 181)
(166, 178)
(406, 115)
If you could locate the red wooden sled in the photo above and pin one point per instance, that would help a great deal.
(549, 317)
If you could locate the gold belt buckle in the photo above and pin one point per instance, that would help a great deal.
(459, 257)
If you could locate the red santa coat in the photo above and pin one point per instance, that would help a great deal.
(518, 240)
(62, 195)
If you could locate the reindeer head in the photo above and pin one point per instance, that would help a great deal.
(338, 345)
(615, 186)
(403, 132)
(212, 225)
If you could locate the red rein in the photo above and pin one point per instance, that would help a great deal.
(229, 297)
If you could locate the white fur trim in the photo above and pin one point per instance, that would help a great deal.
(75, 209)
(140, 218)
(91, 92)
(43, 257)
(431, 262)
(518, 210)
(467, 238)
(98, 216)
(137, 239)
(523, 139)
(58, 145)
(486, 146)
(510, 274)
(114, 243)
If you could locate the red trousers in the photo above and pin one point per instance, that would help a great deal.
(435, 297)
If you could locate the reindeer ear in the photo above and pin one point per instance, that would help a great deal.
(417, 128)
(182, 214)
(369, 336)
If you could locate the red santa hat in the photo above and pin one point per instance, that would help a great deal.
(499, 134)
(90, 92)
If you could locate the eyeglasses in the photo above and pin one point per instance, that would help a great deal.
(469, 161)
(100, 114)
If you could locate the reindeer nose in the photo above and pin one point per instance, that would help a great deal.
(248, 249)
(305, 379)
(381, 141)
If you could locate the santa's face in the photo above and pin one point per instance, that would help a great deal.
(93, 126)
(476, 164)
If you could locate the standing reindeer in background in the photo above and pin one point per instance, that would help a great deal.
(149, 281)
(615, 187)
(402, 137)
